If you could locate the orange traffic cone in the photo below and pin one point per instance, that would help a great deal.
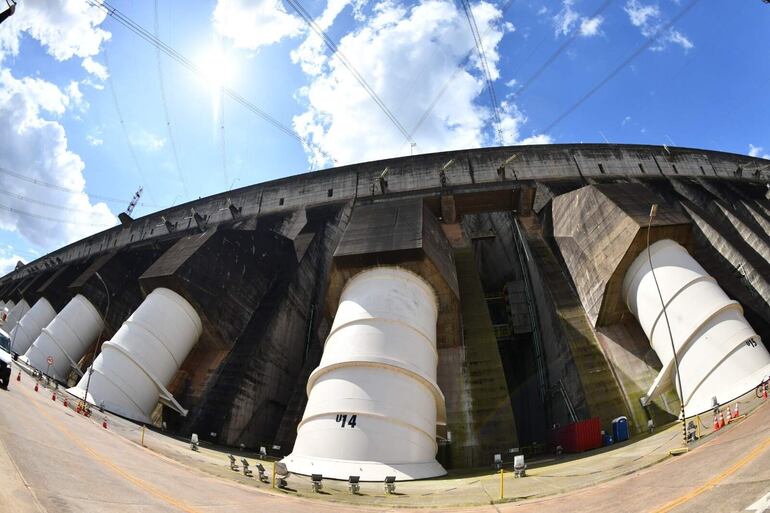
(737, 412)
(764, 392)
(65, 402)
(78, 408)
(18, 376)
(104, 423)
(721, 420)
(35, 387)
(716, 422)
(53, 396)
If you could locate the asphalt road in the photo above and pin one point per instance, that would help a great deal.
(53, 460)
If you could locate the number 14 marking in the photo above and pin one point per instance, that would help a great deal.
(343, 418)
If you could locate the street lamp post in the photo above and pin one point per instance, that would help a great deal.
(653, 212)
(98, 340)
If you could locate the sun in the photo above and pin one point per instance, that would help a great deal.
(216, 68)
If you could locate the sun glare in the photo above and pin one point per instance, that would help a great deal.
(217, 68)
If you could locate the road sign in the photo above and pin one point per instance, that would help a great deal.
(50, 360)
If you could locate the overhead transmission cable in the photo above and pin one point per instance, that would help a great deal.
(336, 52)
(54, 219)
(458, 68)
(161, 81)
(461, 65)
(484, 66)
(143, 33)
(550, 60)
(118, 111)
(27, 199)
(53, 186)
(649, 41)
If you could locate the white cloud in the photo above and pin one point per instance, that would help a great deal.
(568, 19)
(94, 140)
(41, 95)
(648, 18)
(251, 24)
(625, 121)
(311, 53)
(591, 26)
(76, 96)
(511, 120)
(640, 14)
(408, 55)
(756, 151)
(148, 141)
(511, 83)
(8, 261)
(95, 68)
(36, 147)
(93, 84)
(565, 20)
(65, 28)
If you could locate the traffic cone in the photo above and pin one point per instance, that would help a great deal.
(36, 387)
(764, 392)
(53, 396)
(104, 423)
(737, 412)
(721, 420)
(78, 408)
(65, 402)
(716, 422)
(18, 376)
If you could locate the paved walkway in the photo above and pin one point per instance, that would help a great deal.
(54, 460)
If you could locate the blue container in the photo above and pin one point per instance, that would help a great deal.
(620, 429)
(608, 439)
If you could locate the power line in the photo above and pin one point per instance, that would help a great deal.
(115, 102)
(170, 136)
(61, 188)
(297, 6)
(458, 68)
(484, 65)
(550, 60)
(54, 219)
(43, 203)
(649, 41)
(140, 31)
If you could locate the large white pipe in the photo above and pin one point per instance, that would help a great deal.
(31, 324)
(373, 402)
(719, 353)
(15, 314)
(131, 373)
(66, 338)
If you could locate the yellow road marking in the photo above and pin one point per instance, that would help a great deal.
(711, 483)
(119, 471)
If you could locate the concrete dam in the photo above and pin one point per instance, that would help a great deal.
(417, 314)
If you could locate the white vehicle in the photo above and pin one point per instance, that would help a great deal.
(5, 359)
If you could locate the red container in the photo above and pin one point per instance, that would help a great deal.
(580, 436)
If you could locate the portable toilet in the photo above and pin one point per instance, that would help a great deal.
(620, 429)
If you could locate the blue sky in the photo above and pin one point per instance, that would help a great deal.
(63, 63)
